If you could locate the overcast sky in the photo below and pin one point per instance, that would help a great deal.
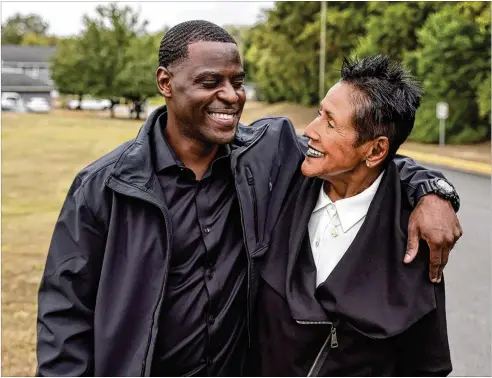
(65, 18)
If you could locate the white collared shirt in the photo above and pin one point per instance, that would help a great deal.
(334, 225)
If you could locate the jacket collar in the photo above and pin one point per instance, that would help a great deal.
(163, 154)
(135, 165)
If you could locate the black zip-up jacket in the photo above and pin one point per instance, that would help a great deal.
(373, 315)
(105, 275)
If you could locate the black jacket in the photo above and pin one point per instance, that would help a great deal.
(105, 274)
(373, 315)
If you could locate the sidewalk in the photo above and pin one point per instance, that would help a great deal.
(469, 158)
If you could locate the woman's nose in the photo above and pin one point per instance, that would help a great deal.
(310, 131)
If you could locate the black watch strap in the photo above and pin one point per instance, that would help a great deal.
(432, 186)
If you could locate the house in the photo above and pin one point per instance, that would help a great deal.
(26, 86)
(26, 70)
(33, 61)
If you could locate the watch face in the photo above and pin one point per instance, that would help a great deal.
(444, 186)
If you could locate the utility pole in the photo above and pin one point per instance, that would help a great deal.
(322, 52)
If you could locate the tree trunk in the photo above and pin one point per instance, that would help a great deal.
(138, 108)
(81, 96)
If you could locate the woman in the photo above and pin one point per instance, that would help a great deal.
(335, 298)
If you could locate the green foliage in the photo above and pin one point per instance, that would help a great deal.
(453, 60)
(113, 58)
(445, 44)
(70, 68)
(29, 30)
(107, 38)
(137, 78)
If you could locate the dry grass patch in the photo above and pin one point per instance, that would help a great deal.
(41, 155)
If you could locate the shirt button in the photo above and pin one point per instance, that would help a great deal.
(206, 230)
(209, 362)
(210, 274)
(317, 243)
(211, 319)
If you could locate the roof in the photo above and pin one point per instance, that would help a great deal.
(19, 82)
(32, 54)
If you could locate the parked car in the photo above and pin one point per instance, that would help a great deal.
(11, 100)
(38, 105)
(90, 104)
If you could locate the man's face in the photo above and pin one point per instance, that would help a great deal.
(206, 92)
(333, 136)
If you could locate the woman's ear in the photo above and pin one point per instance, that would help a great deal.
(163, 77)
(377, 151)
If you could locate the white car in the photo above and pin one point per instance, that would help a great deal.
(11, 100)
(90, 104)
(38, 105)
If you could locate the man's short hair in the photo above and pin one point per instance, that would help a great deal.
(385, 99)
(174, 45)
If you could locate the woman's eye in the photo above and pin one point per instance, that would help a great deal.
(319, 113)
(209, 84)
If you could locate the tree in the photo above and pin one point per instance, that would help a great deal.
(32, 39)
(137, 78)
(15, 28)
(70, 68)
(394, 39)
(106, 38)
(453, 61)
(283, 52)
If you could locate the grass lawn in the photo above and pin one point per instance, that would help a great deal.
(40, 156)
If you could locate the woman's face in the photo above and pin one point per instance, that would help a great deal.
(333, 137)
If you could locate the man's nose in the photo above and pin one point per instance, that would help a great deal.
(228, 94)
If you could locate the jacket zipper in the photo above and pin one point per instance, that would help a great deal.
(325, 349)
(169, 236)
(251, 184)
(248, 294)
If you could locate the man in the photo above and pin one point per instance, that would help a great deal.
(151, 269)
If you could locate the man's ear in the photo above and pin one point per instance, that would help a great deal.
(377, 151)
(163, 78)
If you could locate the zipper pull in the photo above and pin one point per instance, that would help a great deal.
(334, 340)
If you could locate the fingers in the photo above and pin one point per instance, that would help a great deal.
(444, 260)
(412, 243)
(435, 262)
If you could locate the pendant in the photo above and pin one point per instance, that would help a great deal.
(334, 233)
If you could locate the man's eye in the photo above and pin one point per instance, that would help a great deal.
(237, 84)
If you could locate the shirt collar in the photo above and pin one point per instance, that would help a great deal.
(165, 156)
(350, 210)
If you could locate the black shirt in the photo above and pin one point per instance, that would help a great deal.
(203, 319)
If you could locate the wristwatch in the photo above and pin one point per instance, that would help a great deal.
(443, 189)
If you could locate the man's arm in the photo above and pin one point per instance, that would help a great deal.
(433, 218)
(66, 299)
(423, 350)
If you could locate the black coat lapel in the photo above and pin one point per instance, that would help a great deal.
(371, 288)
(301, 271)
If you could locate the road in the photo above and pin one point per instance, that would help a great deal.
(468, 278)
